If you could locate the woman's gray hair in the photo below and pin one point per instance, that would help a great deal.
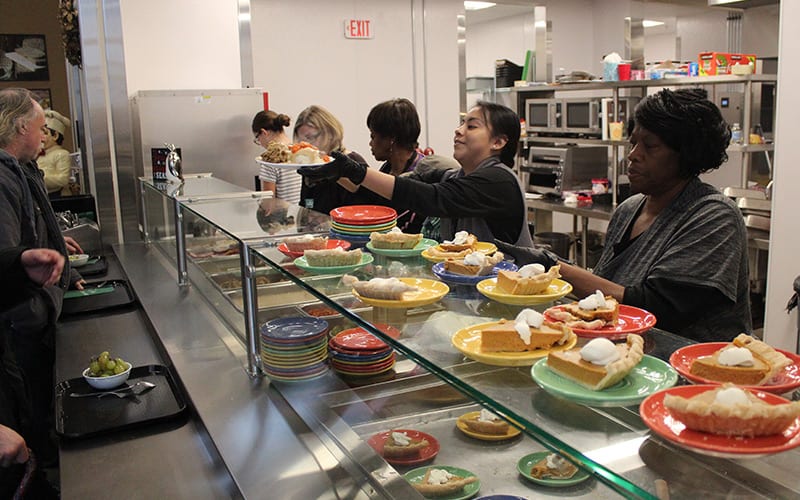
(16, 110)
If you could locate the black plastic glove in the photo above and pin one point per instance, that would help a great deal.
(427, 173)
(341, 166)
(528, 255)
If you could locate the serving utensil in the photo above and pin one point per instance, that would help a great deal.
(136, 389)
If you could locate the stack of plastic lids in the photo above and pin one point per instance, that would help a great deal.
(294, 348)
(357, 354)
(354, 223)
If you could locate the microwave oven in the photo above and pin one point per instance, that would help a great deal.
(625, 109)
(573, 117)
(555, 169)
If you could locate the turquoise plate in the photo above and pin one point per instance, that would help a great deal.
(648, 377)
(527, 462)
(403, 252)
(302, 263)
(469, 491)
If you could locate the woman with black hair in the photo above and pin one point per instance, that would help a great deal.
(678, 247)
(482, 197)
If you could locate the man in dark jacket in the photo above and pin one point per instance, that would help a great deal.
(27, 219)
(19, 267)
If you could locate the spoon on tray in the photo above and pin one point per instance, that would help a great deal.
(136, 389)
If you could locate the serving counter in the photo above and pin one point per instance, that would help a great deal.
(210, 333)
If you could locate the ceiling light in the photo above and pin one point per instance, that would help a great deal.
(648, 23)
(478, 5)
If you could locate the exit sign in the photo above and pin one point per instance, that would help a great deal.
(357, 28)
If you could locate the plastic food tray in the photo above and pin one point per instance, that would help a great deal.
(85, 417)
(96, 266)
(96, 296)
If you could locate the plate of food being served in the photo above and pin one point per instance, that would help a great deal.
(529, 285)
(518, 342)
(405, 446)
(745, 361)
(397, 293)
(295, 246)
(600, 315)
(396, 243)
(444, 481)
(486, 426)
(294, 156)
(332, 261)
(604, 374)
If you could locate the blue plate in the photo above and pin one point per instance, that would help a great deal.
(296, 329)
(460, 279)
(348, 236)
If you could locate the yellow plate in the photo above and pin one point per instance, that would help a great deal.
(429, 291)
(462, 426)
(468, 341)
(557, 289)
(481, 246)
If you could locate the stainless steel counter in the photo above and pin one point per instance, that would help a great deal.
(243, 440)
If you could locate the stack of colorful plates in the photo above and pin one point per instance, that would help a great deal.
(294, 348)
(354, 223)
(357, 353)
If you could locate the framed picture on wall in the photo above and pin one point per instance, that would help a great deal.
(23, 58)
(43, 97)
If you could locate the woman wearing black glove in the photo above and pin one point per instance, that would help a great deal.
(483, 197)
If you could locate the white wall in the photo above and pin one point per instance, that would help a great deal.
(180, 44)
(780, 329)
(309, 61)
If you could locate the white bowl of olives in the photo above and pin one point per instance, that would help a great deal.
(106, 372)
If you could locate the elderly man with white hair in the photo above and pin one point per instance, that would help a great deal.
(27, 220)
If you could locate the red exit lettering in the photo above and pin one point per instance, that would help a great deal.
(357, 28)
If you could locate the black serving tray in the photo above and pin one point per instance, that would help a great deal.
(85, 417)
(96, 266)
(96, 296)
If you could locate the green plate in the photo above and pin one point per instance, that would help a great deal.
(71, 294)
(526, 463)
(302, 263)
(403, 252)
(470, 490)
(648, 377)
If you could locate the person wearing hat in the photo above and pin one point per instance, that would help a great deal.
(55, 162)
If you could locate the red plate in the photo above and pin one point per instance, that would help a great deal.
(331, 244)
(378, 440)
(681, 360)
(660, 421)
(363, 215)
(358, 340)
(631, 320)
(389, 330)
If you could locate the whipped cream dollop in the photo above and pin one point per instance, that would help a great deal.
(735, 356)
(487, 416)
(439, 476)
(525, 320)
(300, 239)
(556, 462)
(600, 351)
(401, 439)
(396, 230)
(529, 270)
(593, 301)
(731, 396)
(475, 259)
(459, 238)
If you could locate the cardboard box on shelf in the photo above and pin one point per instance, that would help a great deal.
(719, 63)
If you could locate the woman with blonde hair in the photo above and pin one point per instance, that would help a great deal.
(319, 127)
